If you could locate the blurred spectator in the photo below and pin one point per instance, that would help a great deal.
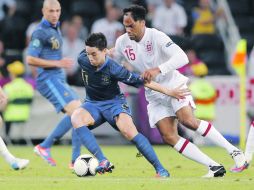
(204, 18)
(20, 95)
(204, 95)
(109, 25)
(2, 61)
(72, 46)
(170, 18)
(250, 74)
(11, 5)
(203, 92)
(79, 24)
(30, 30)
(3, 69)
(195, 67)
(151, 7)
(250, 70)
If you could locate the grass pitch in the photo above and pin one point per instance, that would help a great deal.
(130, 173)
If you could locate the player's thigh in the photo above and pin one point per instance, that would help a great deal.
(168, 130)
(158, 111)
(71, 106)
(87, 115)
(114, 108)
(58, 92)
(184, 112)
(125, 124)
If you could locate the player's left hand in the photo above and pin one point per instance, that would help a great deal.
(150, 74)
(179, 92)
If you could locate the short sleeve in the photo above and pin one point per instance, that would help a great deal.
(36, 44)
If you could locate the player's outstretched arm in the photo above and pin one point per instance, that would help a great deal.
(38, 62)
(178, 92)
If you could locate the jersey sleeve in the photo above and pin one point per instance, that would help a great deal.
(177, 57)
(123, 75)
(83, 59)
(117, 51)
(36, 44)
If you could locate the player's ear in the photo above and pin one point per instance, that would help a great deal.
(105, 50)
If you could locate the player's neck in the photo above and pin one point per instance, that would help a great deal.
(142, 34)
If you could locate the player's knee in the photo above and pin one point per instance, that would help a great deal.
(128, 134)
(76, 118)
(190, 123)
(170, 139)
(80, 118)
(72, 106)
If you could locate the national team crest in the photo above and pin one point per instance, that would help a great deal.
(105, 79)
(149, 47)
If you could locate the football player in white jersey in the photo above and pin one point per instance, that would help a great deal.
(154, 54)
(15, 163)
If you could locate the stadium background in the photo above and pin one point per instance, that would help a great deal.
(216, 50)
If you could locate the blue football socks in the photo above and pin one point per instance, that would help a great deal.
(89, 141)
(144, 146)
(76, 145)
(63, 127)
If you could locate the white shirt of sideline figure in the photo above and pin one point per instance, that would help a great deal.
(109, 29)
(171, 20)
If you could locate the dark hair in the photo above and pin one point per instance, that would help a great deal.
(137, 12)
(97, 40)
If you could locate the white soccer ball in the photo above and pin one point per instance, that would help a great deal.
(85, 165)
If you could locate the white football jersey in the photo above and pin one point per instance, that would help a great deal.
(154, 49)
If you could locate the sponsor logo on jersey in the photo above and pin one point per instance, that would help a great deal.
(54, 43)
(169, 44)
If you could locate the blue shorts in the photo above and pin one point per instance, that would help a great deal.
(57, 91)
(106, 110)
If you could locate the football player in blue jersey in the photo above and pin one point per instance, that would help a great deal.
(45, 52)
(105, 102)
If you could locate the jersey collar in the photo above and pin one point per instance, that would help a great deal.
(104, 64)
(48, 24)
(144, 37)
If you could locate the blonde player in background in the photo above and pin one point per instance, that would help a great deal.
(15, 163)
(154, 54)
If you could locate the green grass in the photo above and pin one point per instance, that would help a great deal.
(131, 173)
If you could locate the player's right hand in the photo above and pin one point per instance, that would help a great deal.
(66, 63)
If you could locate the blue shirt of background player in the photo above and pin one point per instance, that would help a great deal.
(102, 83)
(46, 43)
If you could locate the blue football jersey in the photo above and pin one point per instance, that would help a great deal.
(46, 43)
(102, 83)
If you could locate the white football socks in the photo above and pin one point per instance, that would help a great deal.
(207, 130)
(191, 151)
(250, 143)
(5, 153)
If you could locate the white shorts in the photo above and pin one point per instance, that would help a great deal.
(166, 107)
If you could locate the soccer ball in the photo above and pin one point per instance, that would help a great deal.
(85, 165)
